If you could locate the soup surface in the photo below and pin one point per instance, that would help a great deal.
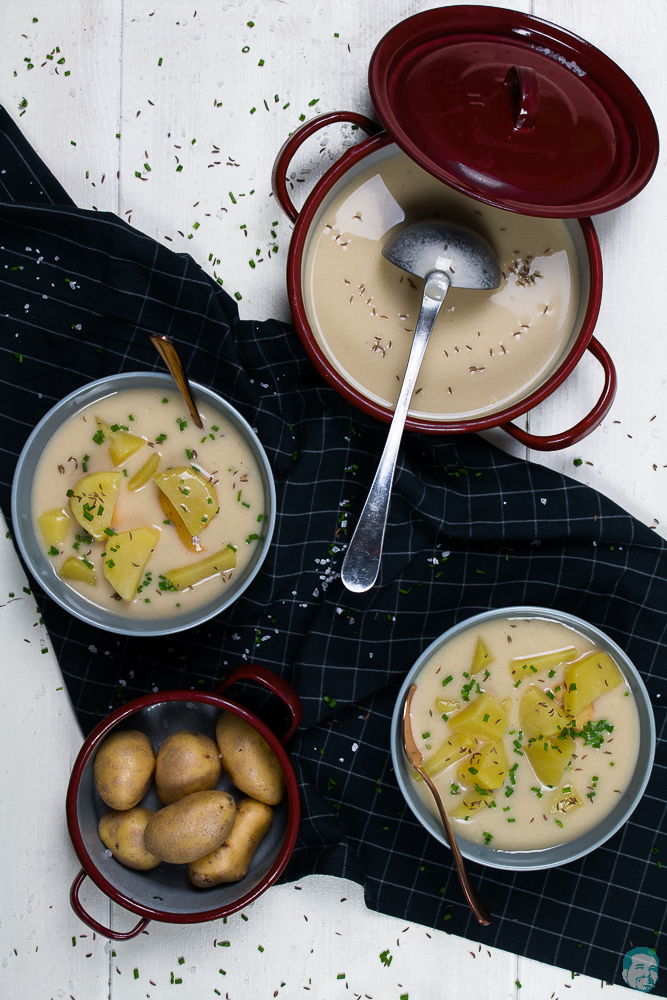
(218, 454)
(488, 349)
(551, 776)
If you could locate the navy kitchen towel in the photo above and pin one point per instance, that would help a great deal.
(470, 528)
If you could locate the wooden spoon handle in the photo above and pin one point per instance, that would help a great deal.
(165, 348)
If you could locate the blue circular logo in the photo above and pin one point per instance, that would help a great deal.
(640, 969)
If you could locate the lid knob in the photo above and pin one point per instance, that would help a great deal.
(526, 90)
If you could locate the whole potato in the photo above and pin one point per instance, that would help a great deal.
(230, 861)
(122, 832)
(186, 762)
(190, 828)
(124, 766)
(249, 760)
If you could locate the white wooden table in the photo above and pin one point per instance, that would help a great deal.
(146, 78)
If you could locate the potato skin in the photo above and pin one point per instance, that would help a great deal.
(230, 861)
(122, 832)
(123, 769)
(186, 762)
(192, 827)
(249, 760)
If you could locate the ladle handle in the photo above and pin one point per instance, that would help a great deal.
(297, 138)
(362, 560)
(554, 442)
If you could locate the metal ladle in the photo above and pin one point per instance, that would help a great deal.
(444, 255)
(413, 753)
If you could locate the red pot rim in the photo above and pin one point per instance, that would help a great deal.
(90, 745)
(298, 245)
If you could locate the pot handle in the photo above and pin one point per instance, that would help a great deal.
(77, 906)
(269, 680)
(284, 157)
(552, 442)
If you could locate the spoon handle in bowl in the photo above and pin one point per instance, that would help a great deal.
(362, 560)
(165, 347)
(475, 901)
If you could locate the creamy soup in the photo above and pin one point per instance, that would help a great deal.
(226, 473)
(530, 776)
(488, 349)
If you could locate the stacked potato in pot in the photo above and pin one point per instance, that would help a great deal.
(199, 825)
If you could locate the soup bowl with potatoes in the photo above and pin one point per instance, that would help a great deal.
(131, 517)
(183, 806)
(537, 731)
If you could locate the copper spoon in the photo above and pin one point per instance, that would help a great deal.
(165, 348)
(415, 757)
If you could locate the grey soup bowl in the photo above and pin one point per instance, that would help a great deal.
(561, 854)
(33, 550)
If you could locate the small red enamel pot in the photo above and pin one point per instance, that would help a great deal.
(165, 893)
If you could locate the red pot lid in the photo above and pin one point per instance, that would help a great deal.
(514, 111)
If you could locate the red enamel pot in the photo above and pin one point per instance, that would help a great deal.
(165, 893)
(586, 242)
(513, 112)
